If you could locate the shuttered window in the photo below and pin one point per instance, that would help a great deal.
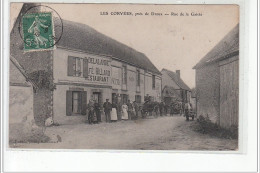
(71, 62)
(77, 67)
(76, 103)
(69, 103)
(83, 102)
(85, 67)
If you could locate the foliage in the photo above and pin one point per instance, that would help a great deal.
(43, 79)
(205, 126)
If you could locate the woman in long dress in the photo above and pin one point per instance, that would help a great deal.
(124, 112)
(114, 113)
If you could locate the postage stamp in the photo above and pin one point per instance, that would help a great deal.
(38, 31)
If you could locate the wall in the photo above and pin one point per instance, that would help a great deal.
(149, 90)
(229, 92)
(60, 65)
(20, 112)
(20, 103)
(207, 85)
(59, 103)
(64, 83)
(131, 81)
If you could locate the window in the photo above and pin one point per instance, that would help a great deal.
(124, 98)
(77, 67)
(76, 103)
(153, 82)
(124, 75)
(138, 78)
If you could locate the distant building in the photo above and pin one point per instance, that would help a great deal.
(173, 87)
(217, 81)
(86, 64)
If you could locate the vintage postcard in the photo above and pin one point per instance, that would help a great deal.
(124, 76)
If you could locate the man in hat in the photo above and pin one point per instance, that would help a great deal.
(107, 109)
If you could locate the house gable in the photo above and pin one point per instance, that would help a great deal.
(167, 80)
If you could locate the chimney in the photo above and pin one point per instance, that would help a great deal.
(178, 72)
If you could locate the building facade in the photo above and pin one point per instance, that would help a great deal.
(174, 88)
(84, 65)
(80, 76)
(217, 82)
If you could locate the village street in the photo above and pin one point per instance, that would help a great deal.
(162, 133)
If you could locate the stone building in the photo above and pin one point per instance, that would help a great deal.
(85, 64)
(217, 81)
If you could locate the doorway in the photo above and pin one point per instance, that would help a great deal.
(97, 97)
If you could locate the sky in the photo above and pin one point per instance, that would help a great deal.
(171, 42)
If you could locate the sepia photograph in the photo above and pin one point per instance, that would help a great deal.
(124, 76)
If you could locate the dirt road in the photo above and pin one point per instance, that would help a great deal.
(162, 133)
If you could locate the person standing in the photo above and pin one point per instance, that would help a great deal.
(130, 109)
(97, 111)
(90, 111)
(161, 107)
(119, 111)
(124, 112)
(114, 113)
(136, 109)
(187, 111)
(156, 108)
(107, 109)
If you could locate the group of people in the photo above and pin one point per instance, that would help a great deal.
(113, 111)
(129, 111)
(175, 107)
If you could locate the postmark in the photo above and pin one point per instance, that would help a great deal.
(40, 28)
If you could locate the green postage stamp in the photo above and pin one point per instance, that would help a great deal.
(38, 31)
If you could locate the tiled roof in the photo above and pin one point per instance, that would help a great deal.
(82, 37)
(228, 45)
(177, 79)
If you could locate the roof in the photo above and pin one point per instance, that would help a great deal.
(229, 45)
(18, 74)
(177, 79)
(83, 37)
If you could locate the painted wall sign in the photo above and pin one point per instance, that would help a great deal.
(99, 70)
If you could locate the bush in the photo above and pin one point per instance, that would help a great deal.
(205, 126)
